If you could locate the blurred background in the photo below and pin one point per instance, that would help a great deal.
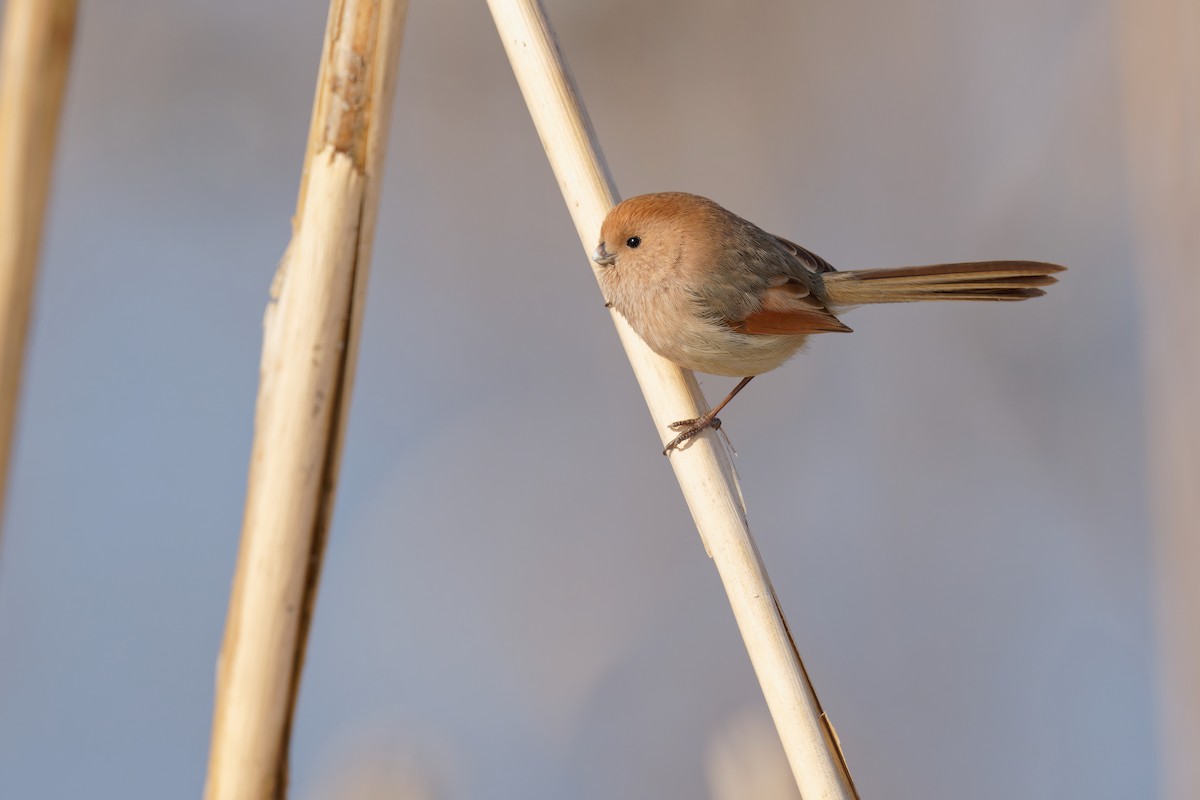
(952, 501)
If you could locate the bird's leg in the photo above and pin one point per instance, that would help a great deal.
(693, 427)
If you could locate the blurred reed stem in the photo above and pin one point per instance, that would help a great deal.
(1160, 71)
(310, 342)
(34, 59)
(703, 469)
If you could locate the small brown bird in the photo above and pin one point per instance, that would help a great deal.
(715, 293)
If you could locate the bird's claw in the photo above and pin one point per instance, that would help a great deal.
(690, 428)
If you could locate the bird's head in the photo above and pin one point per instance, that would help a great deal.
(648, 232)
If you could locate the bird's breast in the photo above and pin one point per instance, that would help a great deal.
(679, 326)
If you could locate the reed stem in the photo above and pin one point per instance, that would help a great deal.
(34, 59)
(703, 469)
(310, 342)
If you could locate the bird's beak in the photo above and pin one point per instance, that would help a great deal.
(603, 257)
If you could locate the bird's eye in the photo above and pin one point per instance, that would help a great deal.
(633, 241)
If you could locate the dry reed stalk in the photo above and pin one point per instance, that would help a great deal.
(34, 59)
(1160, 41)
(310, 342)
(703, 469)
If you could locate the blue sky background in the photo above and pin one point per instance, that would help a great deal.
(950, 501)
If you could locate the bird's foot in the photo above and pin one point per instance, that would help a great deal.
(690, 428)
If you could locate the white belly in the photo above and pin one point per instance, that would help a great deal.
(713, 347)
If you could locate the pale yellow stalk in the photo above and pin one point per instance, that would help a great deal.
(310, 342)
(703, 469)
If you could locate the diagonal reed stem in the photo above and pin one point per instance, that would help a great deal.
(703, 470)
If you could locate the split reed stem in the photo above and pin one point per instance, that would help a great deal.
(310, 342)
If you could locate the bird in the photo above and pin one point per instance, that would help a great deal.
(715, 293)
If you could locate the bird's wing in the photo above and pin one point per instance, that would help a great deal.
(810, 260)
(789, 309)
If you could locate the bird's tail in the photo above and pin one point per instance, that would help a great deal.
(982, 280)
